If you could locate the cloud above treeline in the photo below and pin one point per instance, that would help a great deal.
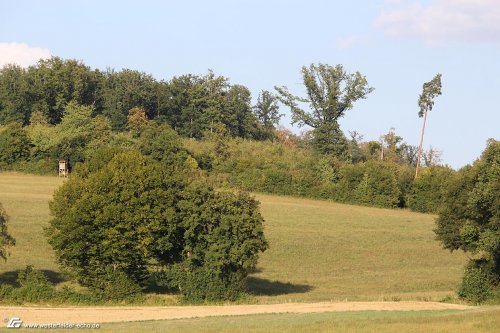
(442, 21)
(21, 54)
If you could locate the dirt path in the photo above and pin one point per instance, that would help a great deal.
(116, 314)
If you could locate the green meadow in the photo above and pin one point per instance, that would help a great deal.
(319, 250)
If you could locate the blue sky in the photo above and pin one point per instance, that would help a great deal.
(397, 44)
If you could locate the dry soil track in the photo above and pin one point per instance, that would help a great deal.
(117, 314)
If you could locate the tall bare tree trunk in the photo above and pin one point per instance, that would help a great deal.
(420, 146)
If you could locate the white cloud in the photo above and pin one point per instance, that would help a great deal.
(21, 54)
(440, 21)
(351, 41)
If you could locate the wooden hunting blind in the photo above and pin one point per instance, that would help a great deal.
(63, 168)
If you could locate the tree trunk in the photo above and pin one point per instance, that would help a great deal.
(420, 146)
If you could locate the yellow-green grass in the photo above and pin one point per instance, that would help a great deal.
(474, 321)
(319, 250)
(25, 198)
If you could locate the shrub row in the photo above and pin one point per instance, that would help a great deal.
(32, 286)
(289, 170)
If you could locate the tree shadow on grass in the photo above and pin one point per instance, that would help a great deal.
(11, 277)
(263, 287)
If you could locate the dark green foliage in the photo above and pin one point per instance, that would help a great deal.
(378, 186)
(281, 169)
(6, 239)
(15, 96)
(14, 144)
(223, 235)
(200, 284)
(162, 143)
(122, 214)
(470, 219)
(267, 112)
(478, 282)
(33, 287)
(427, 191)
(191, 104)
(128, 89)
(46, 166)
(94, 231)
(115, 285)
(328, 139)
(46, 88)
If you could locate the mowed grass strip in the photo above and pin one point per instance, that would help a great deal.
(485, 320)
(319, 250)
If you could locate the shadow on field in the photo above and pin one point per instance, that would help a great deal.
(11, 277)
(263, 287)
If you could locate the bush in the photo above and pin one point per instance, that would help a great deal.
(428, 189)
(34, 287)
(202, 284)
(116, 286)
(6, 240)
(46, 166)
(223, 236)
(14, 144)
(378, 186)
(478, 282)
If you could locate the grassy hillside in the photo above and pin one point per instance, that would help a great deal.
(319, 250)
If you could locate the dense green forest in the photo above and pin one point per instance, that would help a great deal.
(63, 109)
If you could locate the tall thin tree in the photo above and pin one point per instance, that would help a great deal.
(430, 90)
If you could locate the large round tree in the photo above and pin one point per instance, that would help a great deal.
(125, 212)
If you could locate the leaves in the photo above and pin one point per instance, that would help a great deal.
(430, 90)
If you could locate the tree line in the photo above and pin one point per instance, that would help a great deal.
(191, 104)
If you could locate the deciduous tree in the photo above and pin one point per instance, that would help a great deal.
(331, 92)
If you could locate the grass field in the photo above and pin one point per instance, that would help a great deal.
(319, 250)
(485, 320)
(477, 321)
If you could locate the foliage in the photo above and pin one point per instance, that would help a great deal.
(223, 235)
(163, 144)
(74, 138)
(115, 285)
(121, 215)
(470, 220)
(33, 286)
(478, 282)
(6, 239)
(14, 144)
(93, 231)
(331, 91)
(137, 121)
(267, 111)
(428, 189)
(430, 90)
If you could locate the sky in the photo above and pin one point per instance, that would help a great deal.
(397, 44)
